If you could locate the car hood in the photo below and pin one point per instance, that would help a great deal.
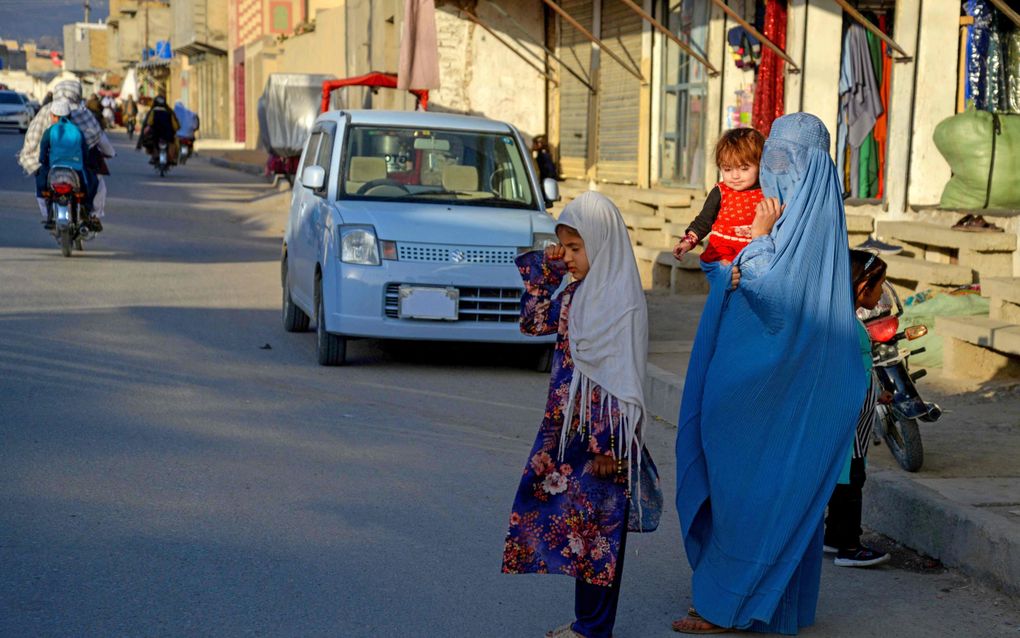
(9, 109)
(442, 224)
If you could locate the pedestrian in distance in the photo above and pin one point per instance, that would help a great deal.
(588, 479)
(843, 523)
(774, 387)
(730, 207)
(544, 159)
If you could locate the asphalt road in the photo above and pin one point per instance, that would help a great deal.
(163, 473)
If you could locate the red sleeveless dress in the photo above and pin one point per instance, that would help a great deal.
(731, 231)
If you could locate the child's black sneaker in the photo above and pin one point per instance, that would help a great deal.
(860, 557)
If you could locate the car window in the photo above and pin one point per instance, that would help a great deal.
(324, 154)
(441, 166)
(10, 98)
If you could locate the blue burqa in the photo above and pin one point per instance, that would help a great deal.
(773, 391)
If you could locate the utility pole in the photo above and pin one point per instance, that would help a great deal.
(88, 9)
(146, 28)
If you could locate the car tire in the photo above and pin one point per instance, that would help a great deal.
(543, 362)
(294, 318)
(330, 349)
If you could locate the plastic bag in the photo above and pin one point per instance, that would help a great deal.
(979, 180)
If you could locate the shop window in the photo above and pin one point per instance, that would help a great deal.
(279, 17)
(685, 85)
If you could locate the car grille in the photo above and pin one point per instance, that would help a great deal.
(456, 254)
(499, 305)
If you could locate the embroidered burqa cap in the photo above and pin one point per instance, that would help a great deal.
(773, 390)
(608, 316)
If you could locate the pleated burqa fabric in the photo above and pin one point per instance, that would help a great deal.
(773, 390)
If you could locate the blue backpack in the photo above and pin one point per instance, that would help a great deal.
(65, 145)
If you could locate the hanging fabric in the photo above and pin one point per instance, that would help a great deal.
(868, 169)
(1013, 71)
(881, 131)
(768, 92)
(985, 83)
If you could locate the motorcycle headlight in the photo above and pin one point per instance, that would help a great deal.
(358, 245)
(541, 241)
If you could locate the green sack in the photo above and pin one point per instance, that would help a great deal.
(983, 150)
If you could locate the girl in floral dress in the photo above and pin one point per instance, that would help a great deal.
(572, 508)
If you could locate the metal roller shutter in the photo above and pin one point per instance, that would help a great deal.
(619, 100)
(575, 50)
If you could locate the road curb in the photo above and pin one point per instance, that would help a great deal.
(974, 541)
(251, 169)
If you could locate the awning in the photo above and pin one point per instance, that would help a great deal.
(712, 71)
(588, 34)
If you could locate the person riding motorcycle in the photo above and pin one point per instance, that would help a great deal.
(130, 116)
(160, 125)
(95, 140)
(188, 121)
(63, 144)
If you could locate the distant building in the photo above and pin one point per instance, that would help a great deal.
(12, 58)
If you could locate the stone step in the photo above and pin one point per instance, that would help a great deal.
(926, 234)
(979, 348)
(1005, 288)
(981, 331)
(925, 274)
(857, 224)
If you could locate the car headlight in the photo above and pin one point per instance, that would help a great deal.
(541, 241)
(358, 245)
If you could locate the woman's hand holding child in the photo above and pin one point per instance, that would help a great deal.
(603, 465)
(766, 214)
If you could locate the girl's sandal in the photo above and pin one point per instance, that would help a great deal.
(693, 623)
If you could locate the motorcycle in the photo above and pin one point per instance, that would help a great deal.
(65, 196)
(162, 163)
(896, 422)
(187, 149)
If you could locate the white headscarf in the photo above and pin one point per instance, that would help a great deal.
(608, 323)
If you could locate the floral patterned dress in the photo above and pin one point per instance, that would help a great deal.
(565, 520)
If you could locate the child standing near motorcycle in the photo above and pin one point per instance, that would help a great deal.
(843, 523)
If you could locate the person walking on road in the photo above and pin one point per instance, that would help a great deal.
(573, 506)
(771, 399)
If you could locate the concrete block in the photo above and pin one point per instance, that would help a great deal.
(1007, 288)
(924, 274)
(923, 233)
(998, 264)
(857, 224)
(981, 331)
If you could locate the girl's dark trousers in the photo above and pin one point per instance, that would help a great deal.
(843, 524)
(595, 605)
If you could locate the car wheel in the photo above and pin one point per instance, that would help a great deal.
(543, 362)
(330, 349)
(294, 319)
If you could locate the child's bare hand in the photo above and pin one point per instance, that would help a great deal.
(735, 278)
(682, 248)
(555, 252)
(766, 214)
(603, 465)
(885, 398)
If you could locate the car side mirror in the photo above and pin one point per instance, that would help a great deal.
(551, 190)
(313, 177)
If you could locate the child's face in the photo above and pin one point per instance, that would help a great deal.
(869, 296)
(574, 255)
(739, 177)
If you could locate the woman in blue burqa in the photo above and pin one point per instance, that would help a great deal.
(773, 391)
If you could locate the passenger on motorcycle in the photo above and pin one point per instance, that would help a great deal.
(63, 144)
(160, 125)
(97, 142)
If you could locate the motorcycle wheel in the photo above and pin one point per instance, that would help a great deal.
(79, 244)
(903, 438)
(65, 242)
(162, 171)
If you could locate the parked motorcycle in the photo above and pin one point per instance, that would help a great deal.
(187, 149)
(162, 163)
(896, 422)
(65, 196)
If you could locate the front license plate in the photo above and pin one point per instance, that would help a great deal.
(428, 303)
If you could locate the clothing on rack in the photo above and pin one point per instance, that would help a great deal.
(1013, 71)
(768, 91)
(985, 88)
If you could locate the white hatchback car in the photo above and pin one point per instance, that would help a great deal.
(14, 111)
(406, 225)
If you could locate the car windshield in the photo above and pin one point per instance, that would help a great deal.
(431, 165)
(10, 98)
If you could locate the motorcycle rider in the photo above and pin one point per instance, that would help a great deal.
(94, 105)
(130, 115)
(63, 144)
(160, 125)
(95, 139)
(188, 121)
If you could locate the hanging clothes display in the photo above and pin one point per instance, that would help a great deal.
(861, 105)
(768, 91)
(868, 169)
(881, 131)
(985, 88)
(1013, 71)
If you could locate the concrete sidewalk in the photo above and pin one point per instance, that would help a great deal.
(962, 508)
(251, 161)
